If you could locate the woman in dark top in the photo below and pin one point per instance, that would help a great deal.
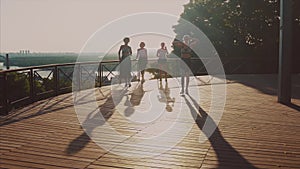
(125, 62)
(186, 54)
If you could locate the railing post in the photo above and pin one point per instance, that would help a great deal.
(100, 74)
(7, 61)
(79, 76)
(5, 100)
(31, 84)
(56, 80)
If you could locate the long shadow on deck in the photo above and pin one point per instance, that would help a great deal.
(82, 140)
(46, 108)
(92, 121)
(227, 156)
(135, 99)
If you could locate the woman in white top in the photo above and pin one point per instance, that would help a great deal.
(162, 59)
(142, 58)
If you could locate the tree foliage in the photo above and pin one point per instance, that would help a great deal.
(239, 28)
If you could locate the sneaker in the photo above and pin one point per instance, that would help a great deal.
(182, 93)
(129, 85)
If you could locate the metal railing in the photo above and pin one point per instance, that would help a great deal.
(26, 85)
(23, 86)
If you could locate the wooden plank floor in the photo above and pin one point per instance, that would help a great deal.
(254, 132)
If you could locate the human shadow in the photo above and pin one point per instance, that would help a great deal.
(93, 120)
(135, 99)
(48, 106)
(228, 156)
(137, 94)
(164, 96)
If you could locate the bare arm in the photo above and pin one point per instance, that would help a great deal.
(137, 54)
(194, 41)
(130, 51)
(119, 53)
(146, 53)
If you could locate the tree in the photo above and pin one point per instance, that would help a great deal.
(237, 27)
(243, 29)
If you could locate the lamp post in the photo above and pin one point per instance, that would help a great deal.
(285, 52)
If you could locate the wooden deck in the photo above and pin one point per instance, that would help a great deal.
(254, 132)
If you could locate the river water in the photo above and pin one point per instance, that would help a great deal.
(2, 67)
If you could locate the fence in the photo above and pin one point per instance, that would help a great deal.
(23, 86)
(26, 85)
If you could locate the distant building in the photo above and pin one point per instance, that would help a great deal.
(24, 51)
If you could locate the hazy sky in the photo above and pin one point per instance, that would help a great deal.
(65, 25)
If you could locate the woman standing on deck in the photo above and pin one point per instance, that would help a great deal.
(162, 60)
(186, 54)
(125, 62)
(142, 58)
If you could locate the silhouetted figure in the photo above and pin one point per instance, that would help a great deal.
(162, 54)
(142, 57)
(186, 54)
(125, 62)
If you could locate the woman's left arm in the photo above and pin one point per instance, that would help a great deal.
(138, 54)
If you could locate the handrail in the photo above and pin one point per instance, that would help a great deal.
(56, 73)
(54, 65)
(75, 63)
(60, 76)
